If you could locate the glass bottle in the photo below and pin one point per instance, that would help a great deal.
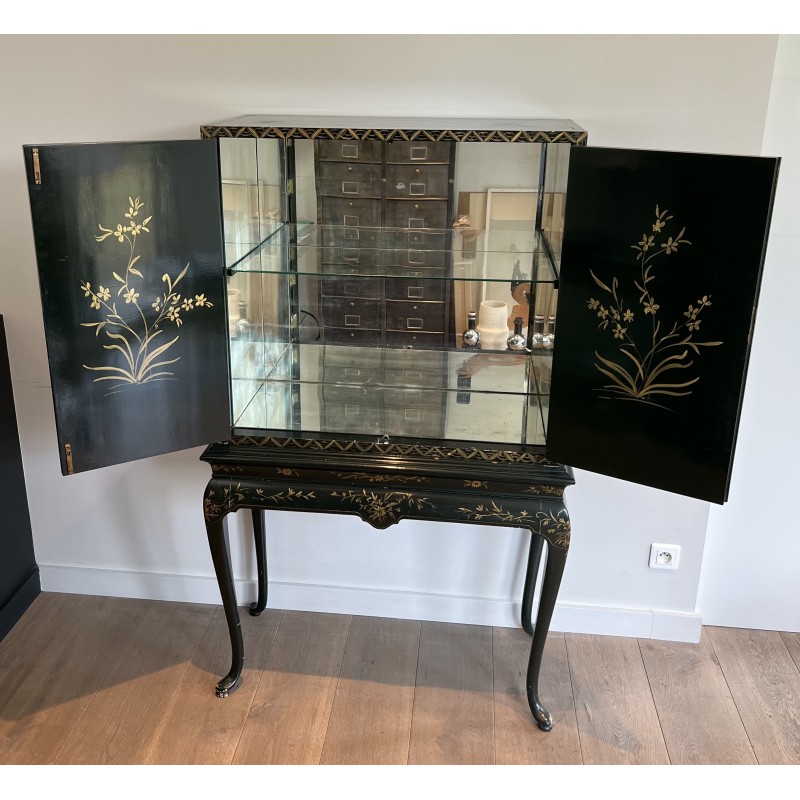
(537, 339)
(517, 341)
(549, 338)
(471, 337)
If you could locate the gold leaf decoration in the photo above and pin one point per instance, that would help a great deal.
(140, 358)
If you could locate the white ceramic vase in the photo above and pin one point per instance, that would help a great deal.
(492, 324)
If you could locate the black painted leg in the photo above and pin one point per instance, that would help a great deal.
(554, 569)
(220, 554)
(534, 560)
(261, 561)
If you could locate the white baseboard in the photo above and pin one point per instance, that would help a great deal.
(568, 617)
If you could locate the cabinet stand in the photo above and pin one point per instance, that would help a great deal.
(382, 483)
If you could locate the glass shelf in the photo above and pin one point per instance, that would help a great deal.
(498, 255)
(453, 394)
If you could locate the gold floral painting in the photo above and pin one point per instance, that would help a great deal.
(655, 360)
(137, 344)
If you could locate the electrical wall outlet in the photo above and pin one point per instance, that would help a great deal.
(664, 556)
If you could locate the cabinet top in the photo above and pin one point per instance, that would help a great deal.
(398, 128)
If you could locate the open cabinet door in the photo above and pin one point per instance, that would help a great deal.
(130, 253)
(660, 271)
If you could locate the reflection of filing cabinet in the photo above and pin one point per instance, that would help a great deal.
(408, 188)
(383, 392)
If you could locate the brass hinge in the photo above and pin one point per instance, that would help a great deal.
(68, 452)
(37, 173)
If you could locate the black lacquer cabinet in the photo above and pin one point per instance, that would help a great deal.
(296, 291)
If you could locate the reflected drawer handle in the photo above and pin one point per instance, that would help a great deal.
(352, 320)
(351, 288)
(349, 151)
(350, 187)
(413, 375)
(412, 414)
(353, 256)
(416, 222)
(416, 256)
(351, 410)
(418, 153)
(414, 274)
(416, 190)
(414, 323)
(415, 292)
(352, 370)
(350, 220)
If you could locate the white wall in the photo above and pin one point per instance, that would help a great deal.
(751, 570)
(138, 528)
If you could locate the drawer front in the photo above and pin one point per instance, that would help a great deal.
(359, 257)
(402, 360)
(342, 358)
(353, 418)
(365, 152)
(358, 375)
(420, 152)
(416, 214)
(412, 257)
(412, 422)
(410, 289)
(356, 337)
(438, 241)
(340, 312)
(350, 180)
(422, 181)
(409, 340)
(413, 398)
(355, 213)
(351, 287)
(347, 394)
(337, 236)
(415, 316)
(412, 378)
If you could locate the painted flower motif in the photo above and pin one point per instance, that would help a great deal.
(201, 300)
(615, 314)
(120, 233)
(174, 315)
(176, 299)
(95, 302)
(187, 304)
(619, 331)
(647, 242)
(592, 304)
(157, 304)
(103, 293)
(669, 246)
(694, 325)
(691, 313)
(131, 296)
(87, 289)
(628, 316)
(602, 313)
(650, 307)
(704, 301)
(134, 228)
(658, 225)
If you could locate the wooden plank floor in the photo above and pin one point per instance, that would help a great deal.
(95, 680)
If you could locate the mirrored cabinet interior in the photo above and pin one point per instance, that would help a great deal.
(353, 266)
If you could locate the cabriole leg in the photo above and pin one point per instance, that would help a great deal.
(554, 569)
(220, 555)
(261, 561)
(534, 560)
